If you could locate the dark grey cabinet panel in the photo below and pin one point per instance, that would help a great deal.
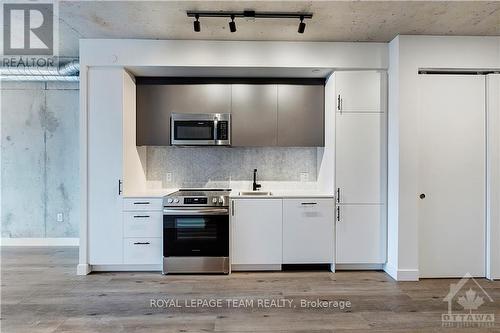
(301, 115)
(155, 104)
(254, 114)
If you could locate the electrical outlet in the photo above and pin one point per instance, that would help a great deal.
(169, 176)
(60, 217)
(304, 176)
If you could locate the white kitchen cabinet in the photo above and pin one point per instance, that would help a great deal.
(112, 155)
(361, 158)
(361, 91)
(143, 251)
(143, 224)
(256, 229)
(308, 231)
(105, 165)
(361, 167)
(142, 231)
(361, 234)
(145, 204)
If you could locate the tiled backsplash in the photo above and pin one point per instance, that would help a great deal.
(216, 166)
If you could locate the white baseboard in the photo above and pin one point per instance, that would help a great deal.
(82, 269)
(245, 267)
(408, 275)
(358, 267)
(125, 268)
(402, 274)
(40, 241)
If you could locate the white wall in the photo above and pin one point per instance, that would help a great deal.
(493, 174)
(192, 53)
(407, 55)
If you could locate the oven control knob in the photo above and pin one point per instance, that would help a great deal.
(214, 200)
(169, 200)
(176, 200)
(221, 201)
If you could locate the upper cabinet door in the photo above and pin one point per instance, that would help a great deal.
(155, 104)
(254, 115)
(361, 91)
(301, 115)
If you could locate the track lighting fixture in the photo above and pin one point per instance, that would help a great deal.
(249, 14)
(232, 24)
(302, 25)
(196, 24)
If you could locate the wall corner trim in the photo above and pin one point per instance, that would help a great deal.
(40, 241)
(83, 269)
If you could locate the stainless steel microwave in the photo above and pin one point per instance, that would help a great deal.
(200, 129)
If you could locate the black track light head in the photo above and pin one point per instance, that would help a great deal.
(196, 24)
(232, 24)
(302, 26)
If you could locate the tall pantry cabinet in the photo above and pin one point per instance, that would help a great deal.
(361, 167)
(111, 157)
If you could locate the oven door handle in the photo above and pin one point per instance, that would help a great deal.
(209, 211)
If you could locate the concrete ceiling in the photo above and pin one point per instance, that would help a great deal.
(333, 20)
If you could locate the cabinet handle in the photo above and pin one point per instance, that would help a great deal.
(120, 186)
(338, 213)
(338, 103)
(309, 203)
(232, 208)
(338, 194)
(141, 243)
(141, 216)
(142, 203)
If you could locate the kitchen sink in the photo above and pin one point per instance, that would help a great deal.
(259, 193)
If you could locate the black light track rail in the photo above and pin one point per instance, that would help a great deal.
(249, 14)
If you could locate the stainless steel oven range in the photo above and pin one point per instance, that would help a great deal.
(196, 231)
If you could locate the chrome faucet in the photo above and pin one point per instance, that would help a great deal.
(255, 186)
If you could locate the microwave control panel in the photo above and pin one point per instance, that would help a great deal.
(222, 130)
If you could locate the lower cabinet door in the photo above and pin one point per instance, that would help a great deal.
(256, 226)
(144, 251)
(361, 234)
(308, 231)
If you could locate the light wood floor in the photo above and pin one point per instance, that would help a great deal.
(41, 293)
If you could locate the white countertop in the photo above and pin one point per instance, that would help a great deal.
(152, 193)
(283, 194)
(278, 194)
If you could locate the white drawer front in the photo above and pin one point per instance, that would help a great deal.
(142, 224)
(140, 204)
(147, 251)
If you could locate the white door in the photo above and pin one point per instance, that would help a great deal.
(361, 91)
(308, 231)
(256, 226)
(451, 176)
(360, 172)
(360, 234)
(105, 166)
